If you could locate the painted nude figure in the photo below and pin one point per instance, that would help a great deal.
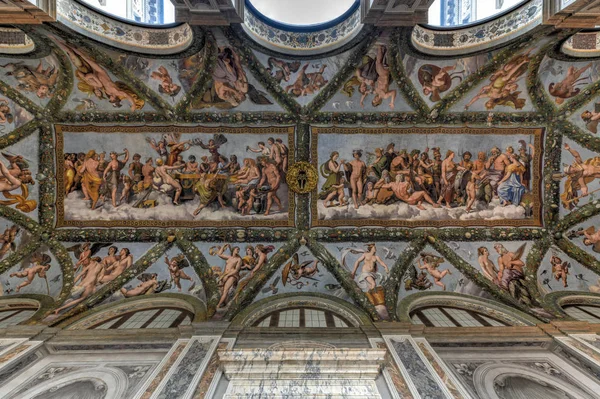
(112, 272)
(560, 270)
(176, 265)
(503, 85)
(231, 275)
(431, 264)
(40, 80)
(98, 81)
(41, 264)
(579, 174)
(87, 279)
(369, 259)
(149, 282)
(566, 87)
(403, 191)
(7, 240)
(382, 85)
(271, 179)
(357, 177)
(166, 82)
(162, 172)
(488, 268)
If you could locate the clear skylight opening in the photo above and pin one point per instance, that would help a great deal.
(302, 12)
(154, 12)
(449, 13)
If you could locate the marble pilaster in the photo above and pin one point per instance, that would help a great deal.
(423, 371)
(586, 345)
(180, 370)
(15, 356)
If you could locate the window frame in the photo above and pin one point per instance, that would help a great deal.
(329, 318)
(475, 315)
(123, 317)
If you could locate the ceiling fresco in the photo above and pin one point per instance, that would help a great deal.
(231, 174)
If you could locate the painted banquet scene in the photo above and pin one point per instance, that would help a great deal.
(174, 176)
(299, 199)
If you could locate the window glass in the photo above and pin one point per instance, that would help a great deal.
(449, 13)
(153, 12)
(302, 12)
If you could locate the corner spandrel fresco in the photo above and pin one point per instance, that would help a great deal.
(371, 87)
(35, 79)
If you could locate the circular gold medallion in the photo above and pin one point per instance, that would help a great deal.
(302, 177)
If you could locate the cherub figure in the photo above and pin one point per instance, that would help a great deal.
(592, 118)
(176, 266)
(416, 280)
(430, 264)
(41, 81)
(294, 270)
(7, 240)
(281, 70)
(166, 82)
(126, 191)
(436, 80)
(592, 238)
(579, 174)
(149, 284)
(6, 114)
(566, 87)
(249, 203)
(560, 269)
(83, 252)
(41, 264)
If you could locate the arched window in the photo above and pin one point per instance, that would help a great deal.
(450, 13)
(151, 12)
(444, 316)
(15, 314)
(589, 313)
(303, 318)
(148, 318)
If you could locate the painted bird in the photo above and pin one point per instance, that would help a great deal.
(580, 277)
(546, 283)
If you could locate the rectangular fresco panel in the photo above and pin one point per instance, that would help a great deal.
(427, 176)
(183, 176)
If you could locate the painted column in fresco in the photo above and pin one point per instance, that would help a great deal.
(422, 369)
(181, 369)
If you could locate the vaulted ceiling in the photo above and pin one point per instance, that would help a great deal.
(73, 95)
